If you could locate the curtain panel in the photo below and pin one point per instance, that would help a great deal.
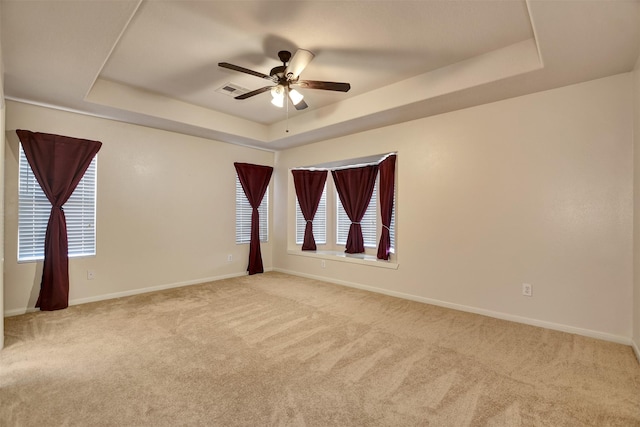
(386, 192)
(254, 180)
(355, 187)
(58, 163)
(309, 185)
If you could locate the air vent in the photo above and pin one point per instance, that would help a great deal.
(232, 89)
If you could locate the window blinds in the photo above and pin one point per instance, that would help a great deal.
(34, 210)
(368, 223)
(243, 216)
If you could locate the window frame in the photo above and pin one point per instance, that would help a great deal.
(34, 210)
(243, 216)
(332, 249)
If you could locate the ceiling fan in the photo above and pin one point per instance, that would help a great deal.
(287, 78)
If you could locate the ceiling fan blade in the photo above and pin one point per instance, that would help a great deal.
(314, 84)
(245, 70)
(253, 92)
(301, 105)
(298, 63)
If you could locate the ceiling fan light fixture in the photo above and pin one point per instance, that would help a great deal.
(277, 92)
(278, 101)
(295, 96)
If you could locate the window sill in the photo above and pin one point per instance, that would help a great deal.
(30, 260)
(362, 259)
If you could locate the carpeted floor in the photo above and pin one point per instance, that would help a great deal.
(279, 350)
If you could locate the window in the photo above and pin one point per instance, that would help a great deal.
(331, 224)
(243, 216)
(34, 210)
(319, 221)
(368, 223)
(392, 226)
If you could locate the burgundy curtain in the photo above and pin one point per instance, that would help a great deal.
(309, 185)
(58, 163)
(254, 180)
(386, 189)
(355, 187)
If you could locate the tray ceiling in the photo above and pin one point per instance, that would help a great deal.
(155, 62)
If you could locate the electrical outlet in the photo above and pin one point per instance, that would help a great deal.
(91, 274)
(323, 264)
(229, 258)
(527, 290)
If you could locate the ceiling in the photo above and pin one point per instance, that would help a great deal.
(154, 63)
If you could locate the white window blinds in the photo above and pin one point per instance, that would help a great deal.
(392, 227)
(34, 210)
(319, 221)
(243, 215)
(368, 222)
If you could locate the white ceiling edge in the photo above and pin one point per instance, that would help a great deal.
(115, 43)
(138, 119)
(136, 100)
(349, 116)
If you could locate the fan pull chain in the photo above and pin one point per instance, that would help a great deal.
(286, 100)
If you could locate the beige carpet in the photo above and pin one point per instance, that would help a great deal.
(278, 350)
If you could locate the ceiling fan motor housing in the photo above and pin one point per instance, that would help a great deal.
(278, 71)
(284, 56)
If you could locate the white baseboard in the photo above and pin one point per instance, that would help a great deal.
(19, 311)
(495, 314)
(489, 313)
(77, 301)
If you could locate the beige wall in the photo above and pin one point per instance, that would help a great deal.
(2, 119)
(536, 189)
(165, 209)
(636, 210)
